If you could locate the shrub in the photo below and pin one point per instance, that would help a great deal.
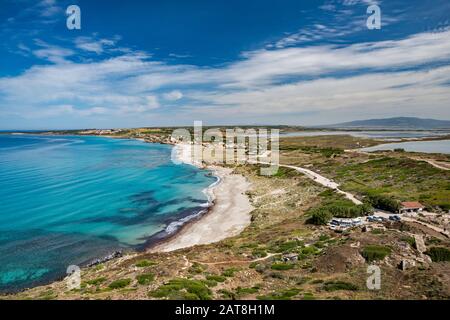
(260, 268)
(320, 217)
(259, 253)
(216, 278)
(288, 246)
(308, 296)
(339, 285)
(144, 263)
(284, 172)
(196, 268)
(145, 278)
(281, 295)
(96, 282)
(439, 254)
(309, 250)
(282, 266)
(227, 294)
(383, 202)
(118, 284)
(339, 209)
(229, 272)
(375, 252)
(410, 240)
(244, 291)
(183, 289)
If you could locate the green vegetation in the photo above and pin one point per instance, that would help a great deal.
(398, 179)
(196, 268)
(118, 284)
(309, 250)
(259, 253)
(96, 281)
(383, 202)
(410, 240)
(319, 217)
(308, 296)
(285, 246)
(145, 263)
(245, 291)
(183, 289)
(339, 285)
(145, 278)
(314, 144)
(282, 266)
(280, 295)
(284, 173)
(375, 252)
(229, 272)
(48, 295)
(327, 152)
(439, 254)
(216, 278)
(339, 208)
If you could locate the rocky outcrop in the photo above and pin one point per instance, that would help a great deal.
(420, 244)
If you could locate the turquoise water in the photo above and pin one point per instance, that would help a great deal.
(67, 200)
(436, 146)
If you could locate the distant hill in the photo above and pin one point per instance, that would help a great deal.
(394, 123)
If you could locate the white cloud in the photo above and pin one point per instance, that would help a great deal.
(173, 95)
(48, 8)
(93, 45)
(52, 53)
(402, 77)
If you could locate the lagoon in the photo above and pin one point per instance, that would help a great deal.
(433, 146)
(381, 134)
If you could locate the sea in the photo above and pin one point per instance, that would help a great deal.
(68, 200)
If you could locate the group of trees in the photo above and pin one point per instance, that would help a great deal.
(339, 209)
(343, 208)
(382, 202)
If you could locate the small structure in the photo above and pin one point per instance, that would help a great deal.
(411, 206)
(406, 264)
(291, 257)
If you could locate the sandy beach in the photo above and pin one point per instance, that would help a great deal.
(229, 215)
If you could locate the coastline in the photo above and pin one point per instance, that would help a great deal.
(228, 213)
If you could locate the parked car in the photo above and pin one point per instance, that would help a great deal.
(395, 218)
(375, 219)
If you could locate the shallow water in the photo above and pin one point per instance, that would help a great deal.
(436, 146)
(388, 135)
(67, 199)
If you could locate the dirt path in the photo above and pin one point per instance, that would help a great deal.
(434, 163)
(321, 180)
(430, 226)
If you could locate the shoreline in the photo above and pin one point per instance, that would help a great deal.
(227, 215)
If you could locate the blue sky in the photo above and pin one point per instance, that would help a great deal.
(149, 63)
